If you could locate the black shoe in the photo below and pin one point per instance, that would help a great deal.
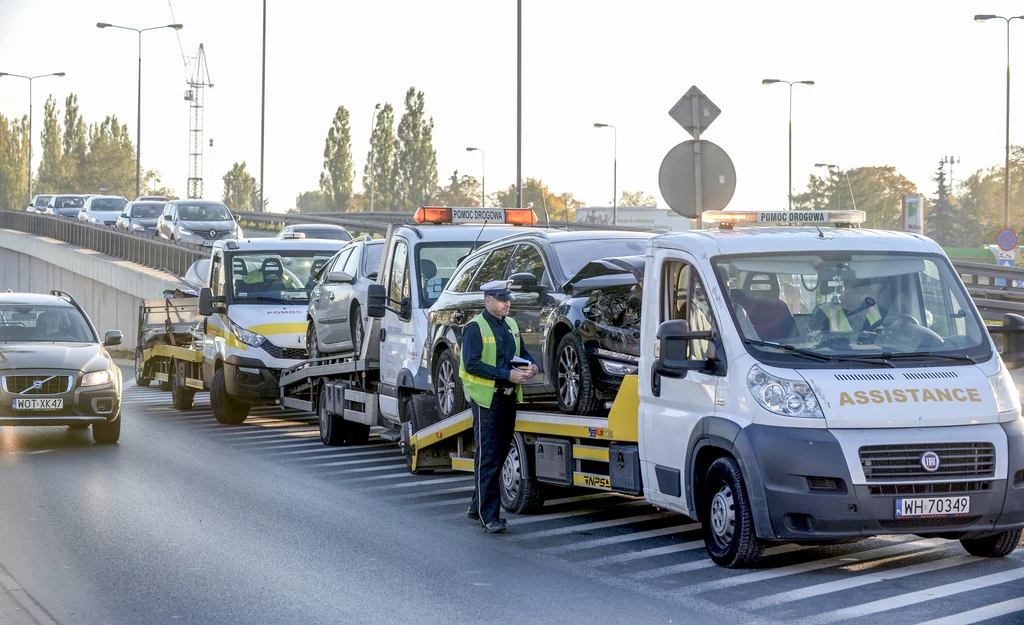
(496, 527)
(473, 514)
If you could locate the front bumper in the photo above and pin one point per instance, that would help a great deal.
(801, 490)
(97, 404)
(196, 239)
(251, 381)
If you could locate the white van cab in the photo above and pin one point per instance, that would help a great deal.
(255, 307)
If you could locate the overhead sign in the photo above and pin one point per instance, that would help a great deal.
(1006, 240)
(913, 214)
(677, 178)
(694, 119)
(478, 215)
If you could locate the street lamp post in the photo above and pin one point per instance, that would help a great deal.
(483, 175)
(372, 119)
(834, 170)
(1006, 171)
(615, 172)
(30, 79)
(138, 118)
(772, 81)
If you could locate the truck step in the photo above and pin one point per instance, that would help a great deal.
(394, 435)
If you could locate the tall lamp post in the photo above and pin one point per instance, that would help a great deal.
(30, 79)
(1006, 171)
(138, 120)
(373, 118)
(615, 172)
(483, 175)
(772, 81)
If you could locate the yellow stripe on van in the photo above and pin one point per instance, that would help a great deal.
(267, 329)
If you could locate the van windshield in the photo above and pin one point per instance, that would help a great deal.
(853, 308)
(275, 277)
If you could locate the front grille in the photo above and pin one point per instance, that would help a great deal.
(929, 489)
(109, 223)
(903, 462)
(217, 235)
(284, 352)
(920, 524)
(47, 384)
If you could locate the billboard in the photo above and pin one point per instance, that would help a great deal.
(913, 214)
(642, 217)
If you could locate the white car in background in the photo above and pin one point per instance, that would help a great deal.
(102, 210)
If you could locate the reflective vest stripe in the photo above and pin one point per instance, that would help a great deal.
(837, 321)
(481, 390)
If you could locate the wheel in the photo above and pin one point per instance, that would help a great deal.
(574, 384)
(726, 517)
(312, 349)
(997, 546)
(107, 432)
(451, 399)
(181, 396)
(226, 409)
(331, 426)
(140, 364)
(166, 386)
(358, 333)
(519, 495)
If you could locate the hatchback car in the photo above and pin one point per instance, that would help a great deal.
(102, 210)
(140, 217)
(66, 205)
(579, 320)
(337, 303)
(315, 231)
(38, 204)
(200, 222)
(54, 367)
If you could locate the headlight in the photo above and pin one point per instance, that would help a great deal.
(789, 398)
(138, 227)
(1004, 389)
(96, 378)
(249, 338)
(616, 367)
(96, 220)
(183, 230)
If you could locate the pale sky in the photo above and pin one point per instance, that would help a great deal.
(898, 82)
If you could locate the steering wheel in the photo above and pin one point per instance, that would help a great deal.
(895, 321)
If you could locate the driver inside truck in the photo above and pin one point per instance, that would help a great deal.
(849, 305)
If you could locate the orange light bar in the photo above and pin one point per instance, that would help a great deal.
(520, 216)
(728, 217)
(432, 215)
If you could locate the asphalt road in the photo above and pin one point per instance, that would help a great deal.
(188, 521)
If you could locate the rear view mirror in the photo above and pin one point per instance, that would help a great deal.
(167, 217)
(671, 353)
(208, 304)
(111, 338)
(376, 301)
(237, 217)
(525, 282)
(340, 277)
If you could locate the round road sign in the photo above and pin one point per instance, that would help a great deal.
(677, 178)
(1006, 239)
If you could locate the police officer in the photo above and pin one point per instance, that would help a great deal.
(489, 343)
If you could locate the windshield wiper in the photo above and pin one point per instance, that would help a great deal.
(275, 300)
(796, 351)
(905, 355)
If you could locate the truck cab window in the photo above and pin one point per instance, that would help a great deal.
(684, 298)
(217, 276)
(398, 279)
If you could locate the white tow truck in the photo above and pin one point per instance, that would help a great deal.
(805, 384)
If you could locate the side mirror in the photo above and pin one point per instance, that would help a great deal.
(167, 217)
(111, 338)
(237, 217)
(376, 301)
(672, 349)
(340, 277)
(208, 303)
(525, 282)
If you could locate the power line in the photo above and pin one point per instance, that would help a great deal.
(177, 33)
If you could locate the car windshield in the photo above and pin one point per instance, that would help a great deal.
(335, 234)
(437, 263)
(108, 204)
(283, 277)
(147, 211)
(41, 324)
(372, 253)
(574, 255)
(865, 307)
(203, 212)
(69, 201)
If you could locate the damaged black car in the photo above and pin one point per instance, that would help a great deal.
(577, 304)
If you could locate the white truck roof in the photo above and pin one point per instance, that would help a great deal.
(279, 245)
(715, 241)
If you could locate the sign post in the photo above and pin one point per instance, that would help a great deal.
(1007, 242)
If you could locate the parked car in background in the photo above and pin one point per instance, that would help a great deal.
(102, 210)
(66, 205)
(151, 198)
(315, 231)
(337, 303)
(140, 217)
(579, 318)
(200, 222)
(38, 204)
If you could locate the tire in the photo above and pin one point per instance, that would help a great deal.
(165, 386)
(107, 433)
(356, 327)
(726, 517)
(182, 397)
(997, 546)
(574, 384)
(450, 397)
(140, 380)
(332, 430)
(518, 494)
(226, 409)
(312, 349)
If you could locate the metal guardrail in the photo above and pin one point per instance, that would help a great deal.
(147, 251)
(992, 298)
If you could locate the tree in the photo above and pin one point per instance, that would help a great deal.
(415, 171)
(461, 191)
(150, 181)
(945, 221)
(239, 186)
(339, 171)
(254, 200)
(547, 205)
(876, 190)
(982, 198)
(638, 198)
(109, 165)
(13, 162)
(311, 202)
(74, 143)
(48, 179)
(380, 161)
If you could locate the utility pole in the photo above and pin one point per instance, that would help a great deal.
(519, 104)
(263, 102)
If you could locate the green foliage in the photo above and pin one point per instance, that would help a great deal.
(311, 202)
(239, 187)
(877, 191)
(415, 171)
(638, 198)
(75, 146)
(461, 191)
(380, 161)
(109, 166)
(48, 178)
(536, 195)
(946, 221)
(982, 197)
(13, 162)
(339, 171)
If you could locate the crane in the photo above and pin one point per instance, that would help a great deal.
(194, 95)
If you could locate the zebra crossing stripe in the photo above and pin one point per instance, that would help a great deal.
(623, 538)
(983, 613)
(586, 527)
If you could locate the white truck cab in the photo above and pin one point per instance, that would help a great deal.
(814, 384)
(255, 309)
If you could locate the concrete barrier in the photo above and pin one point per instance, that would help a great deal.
(109, 289)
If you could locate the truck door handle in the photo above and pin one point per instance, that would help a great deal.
(331, 297)
(458, 316)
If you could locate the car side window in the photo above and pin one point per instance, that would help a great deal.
(494, 268)
(683, 298)
(460, 281)
(529, 260)
(217, 276)
(352, 264)
(398, 278)
(339, 261)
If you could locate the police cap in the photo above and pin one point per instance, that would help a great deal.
(498, 289)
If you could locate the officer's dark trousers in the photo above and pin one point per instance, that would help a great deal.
(493, 428)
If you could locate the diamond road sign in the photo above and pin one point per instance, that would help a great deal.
(682, 112)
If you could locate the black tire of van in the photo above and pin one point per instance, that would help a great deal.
(226, 409)
(726, 517)
(332, 427)
(182, 397)
(519, 495)
(995, 546)
(140, 380)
